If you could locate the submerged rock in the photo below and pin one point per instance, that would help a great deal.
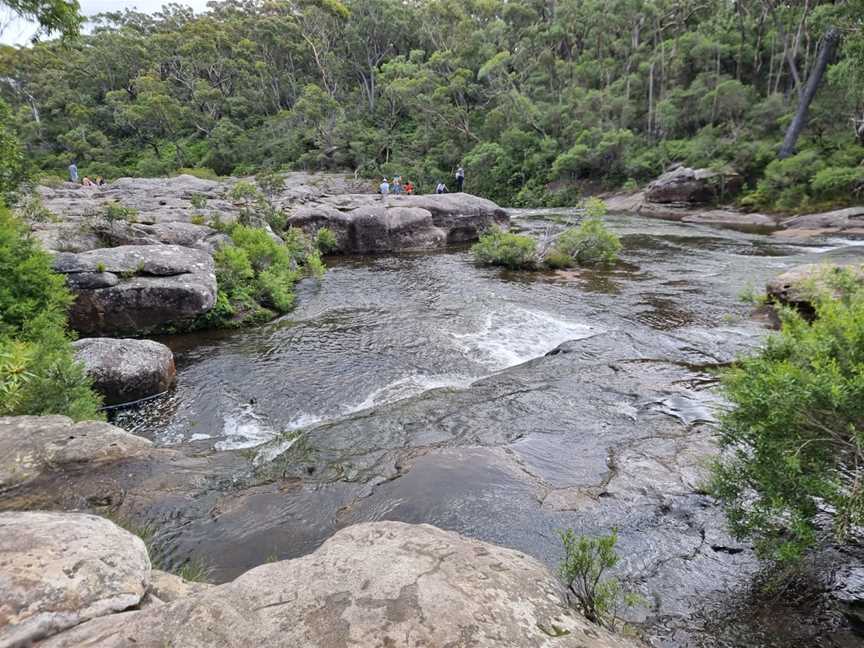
(126, 370)
(695, 186)
(367, 223)
(137, 288)
(32, 446)
(61, 569)
(375, 584)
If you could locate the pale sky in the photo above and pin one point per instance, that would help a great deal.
(17, 32)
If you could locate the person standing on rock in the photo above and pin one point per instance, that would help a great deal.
(384, 188)
(73, 172)
(460, 179)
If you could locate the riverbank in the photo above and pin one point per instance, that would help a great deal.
(503, 406)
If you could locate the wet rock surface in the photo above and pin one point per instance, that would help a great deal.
(32, 447)
(136, 289)
(60, 569)
(378, 584)
(126, 370)
(372, 224)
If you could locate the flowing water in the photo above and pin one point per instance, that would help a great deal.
(417, 387)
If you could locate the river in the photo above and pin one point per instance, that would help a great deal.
(502, 405)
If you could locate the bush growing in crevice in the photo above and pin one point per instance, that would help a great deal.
(501, 248)
(256, 275)
(584, 573)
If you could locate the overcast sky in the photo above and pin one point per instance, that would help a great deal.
(19, 32)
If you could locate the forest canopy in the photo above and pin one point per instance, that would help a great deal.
(538, 99)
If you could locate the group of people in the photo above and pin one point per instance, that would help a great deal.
(397, 187)
(98, 181)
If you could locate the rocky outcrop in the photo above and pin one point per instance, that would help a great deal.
(126, 370)
(693, 186)
(376, 584)
(370, 224)
(168, 587)
(33, 446)
(799, 286)
(136, 289)
(60, 569)
(199, 237)
(848, 593)
(843, 222)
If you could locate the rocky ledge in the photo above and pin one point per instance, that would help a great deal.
(32, 447)
(368, 224)
(71, 576)
(137, 288)
(126, 370)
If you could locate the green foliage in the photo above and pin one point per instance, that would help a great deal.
(32, 210)
(591, 242)
(838, 182)
(256, 275)
(556, 259)
(38, 373)
(325, 240)
(114, 212)
(497, 247)
(199, 172)
(793, 437)
(539, 106)
(586, 562)
(13, 168)
(199, 201)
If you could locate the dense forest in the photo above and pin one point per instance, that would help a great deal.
(540, 100)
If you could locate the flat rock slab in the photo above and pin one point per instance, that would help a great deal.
(137, 288)
(366, 223)
(31, 446)
(374, 584)
(60, 569)
(126, 370)
(839, 219)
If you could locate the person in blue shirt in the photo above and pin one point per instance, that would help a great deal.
(73, 172)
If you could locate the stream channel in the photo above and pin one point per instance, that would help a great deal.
(502, 405)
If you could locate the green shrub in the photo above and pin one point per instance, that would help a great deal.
(325, 240)
(794, 434)
(497, 247)
(38, 372)
(199, 201)
(198, 219)
(590, 243)
(115, 212)
(32, 210)
(838, 182)
(50, 180)
(556, 258)
(586, 560)
(785, 183)
(256, 275)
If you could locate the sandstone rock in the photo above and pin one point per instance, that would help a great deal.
(168, 587)
(31, 446)
(60, 569)
(156, 285)
(848, 593)
(696, 186)
(199, 237)
(365, 223)
(798, 286)
(126, 370)
(375, 584)
(839, 219)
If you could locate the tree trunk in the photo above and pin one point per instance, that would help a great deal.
(826, 52)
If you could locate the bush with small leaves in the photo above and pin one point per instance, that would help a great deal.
(590, 243)
(325, 240)
(793, 436)
(513, 251)
(586, 561)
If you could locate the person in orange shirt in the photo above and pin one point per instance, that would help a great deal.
(409, 187)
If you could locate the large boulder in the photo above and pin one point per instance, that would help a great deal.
(137, 288)
(799, 286)
(694, 186)
(375, 584)
(32, 446)
(126, 370)
(59, 569)
(368, 224)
